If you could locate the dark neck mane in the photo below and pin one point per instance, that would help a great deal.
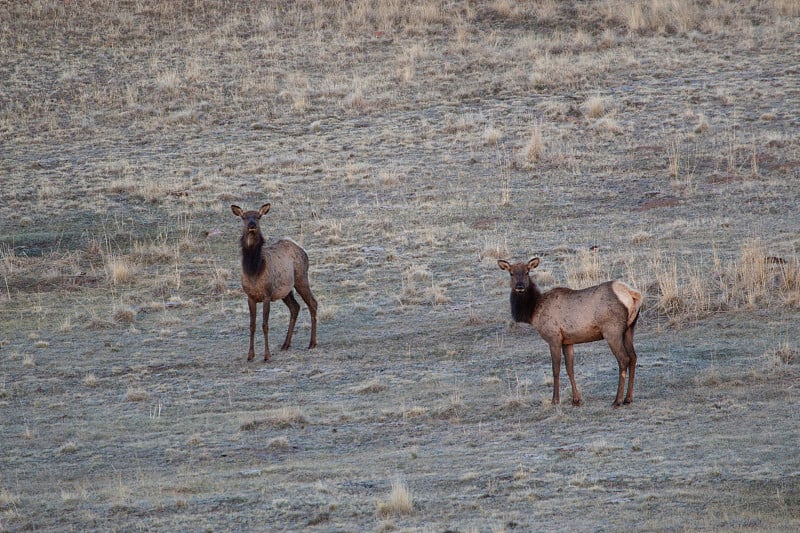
(523, 304)
(252, 259)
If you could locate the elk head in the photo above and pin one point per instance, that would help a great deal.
(520, 273)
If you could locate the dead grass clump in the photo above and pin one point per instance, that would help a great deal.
(119, 270)
(125, 315)
(751, 275)
(596, 107)
(400, 501)
(585, 270)
(219, 280)
(136, 394)
(8, 500)
(662, 16)
(492, 135)
(534, 149)
(518, 395)
(780, 357)
(495, 248)
(373, 386)
(419, 289)
(278, 443)
(90, 380)
(283, 418)
(67, 447)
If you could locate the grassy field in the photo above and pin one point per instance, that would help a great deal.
(407, 146)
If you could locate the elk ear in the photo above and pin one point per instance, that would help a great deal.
(504, 265)
(533, 263)
(264, 209)
(237, 210)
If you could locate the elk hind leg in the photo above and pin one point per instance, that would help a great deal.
(305, 293)
(265, 328)
(617, 346)
(627, 341)
(294, 310)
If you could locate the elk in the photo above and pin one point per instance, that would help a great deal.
(269, 273)
(564, 317)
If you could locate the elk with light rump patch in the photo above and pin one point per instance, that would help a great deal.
(564, 317)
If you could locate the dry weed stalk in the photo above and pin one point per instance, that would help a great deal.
(400, 501)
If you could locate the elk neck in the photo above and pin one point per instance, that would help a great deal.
(252, 257)
(524, 303)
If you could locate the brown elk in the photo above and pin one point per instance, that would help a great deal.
(269, 273)
(564, 317)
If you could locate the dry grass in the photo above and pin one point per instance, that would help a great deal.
(407, 146)
(400, 501)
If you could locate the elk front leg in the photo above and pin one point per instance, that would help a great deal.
(251, 303)
(555, 355)
(265, 329)
(569, 359)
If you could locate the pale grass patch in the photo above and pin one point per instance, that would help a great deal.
(65, 326)
(90, 380)
(135, 394)
(400, 501)
(278, 443)
(608, 125)
(67, 447)
(702, 124)
(372, 386)
(327, 312)
(125, 315)
(752, 273)
(283, 418)
(518, 394)
(119, 270)
(585, 270)
(41, 344)
(641, 237)
(779, 357)
(492, 135)
(670, 300)
(8, 499)
(596, 106)
(419, 289)
(28, 361)
(534, 149)
(168, 81)
(219, 280)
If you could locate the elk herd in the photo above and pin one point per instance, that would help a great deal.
(562, 317)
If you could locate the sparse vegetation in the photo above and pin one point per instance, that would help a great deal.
(406, 147)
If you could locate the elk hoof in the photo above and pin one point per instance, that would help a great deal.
(312, 345)
(266, 357)
(628, 401)
(251, 356)
(285, 346)
(576, 403)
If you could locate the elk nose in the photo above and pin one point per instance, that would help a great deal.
(519, 287)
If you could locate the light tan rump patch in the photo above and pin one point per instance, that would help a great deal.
(630, 298)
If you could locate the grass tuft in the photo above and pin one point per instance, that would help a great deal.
(399, 502)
